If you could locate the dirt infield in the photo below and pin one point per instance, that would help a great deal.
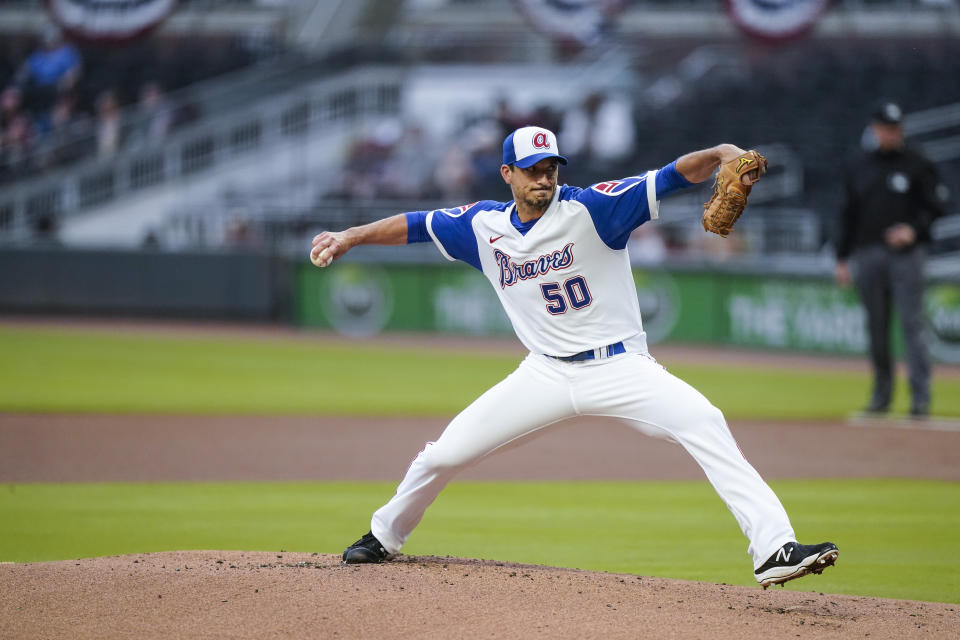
(218, 594)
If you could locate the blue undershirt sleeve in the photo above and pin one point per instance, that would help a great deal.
(417, 227)
(670, 180)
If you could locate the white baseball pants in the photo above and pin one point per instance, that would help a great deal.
(630, 386)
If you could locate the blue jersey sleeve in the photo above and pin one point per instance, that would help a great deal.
(617, 207)
(452, 232)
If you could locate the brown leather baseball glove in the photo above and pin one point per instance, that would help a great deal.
(730, 192)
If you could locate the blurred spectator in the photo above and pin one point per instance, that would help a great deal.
(151, 240)
(891, 200)
(408, 169)
(454, 174)
(73, 97)
(45, 228)
(600, 133)
(713, 247)
(367, 160)
(64, 113)
(16, 134)
(109, 129)
(54, 68)
(507, 119)
(238, 234)
(545, 116)
(484, 144)
(155, 115)
(69, 127)
(647, 245)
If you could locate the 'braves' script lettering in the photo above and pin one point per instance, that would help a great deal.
(512, 272)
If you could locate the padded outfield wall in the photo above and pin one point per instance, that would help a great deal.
(720, 306)
(801, 313)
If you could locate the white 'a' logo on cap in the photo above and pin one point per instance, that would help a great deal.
(541, 141)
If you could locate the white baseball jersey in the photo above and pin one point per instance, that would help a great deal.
(566, 283)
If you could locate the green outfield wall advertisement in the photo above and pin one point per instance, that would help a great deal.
(779, 312)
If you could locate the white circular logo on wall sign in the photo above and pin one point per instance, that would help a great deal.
(776, 19)
(359, 300)
(659, 300)
(898, 182)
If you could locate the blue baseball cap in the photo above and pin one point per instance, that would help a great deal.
(527, 146)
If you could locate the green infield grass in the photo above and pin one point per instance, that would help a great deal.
(897, 538)
(52, 370)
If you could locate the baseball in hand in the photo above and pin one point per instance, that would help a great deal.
(323, 259)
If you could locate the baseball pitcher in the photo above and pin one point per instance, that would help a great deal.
(557, 258)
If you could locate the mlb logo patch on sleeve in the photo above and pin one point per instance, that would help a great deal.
(616, 187)
(456, 212)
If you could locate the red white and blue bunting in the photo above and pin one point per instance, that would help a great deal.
(109, 20)
(580, 22)
(776, 19)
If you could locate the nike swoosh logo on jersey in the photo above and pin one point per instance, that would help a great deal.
(492, 239)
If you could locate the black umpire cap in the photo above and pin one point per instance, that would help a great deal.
(888, 113)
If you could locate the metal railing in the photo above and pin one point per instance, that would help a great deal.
(197, 148)
(936, 131)
(216, 95)
(287, 230)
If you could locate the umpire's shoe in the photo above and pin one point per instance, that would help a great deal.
(794, 560)
(365, 550)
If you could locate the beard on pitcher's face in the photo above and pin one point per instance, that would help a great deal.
(534, 186)
(538, 197)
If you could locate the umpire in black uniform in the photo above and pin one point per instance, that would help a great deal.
(891, 200)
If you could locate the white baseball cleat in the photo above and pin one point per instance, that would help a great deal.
(794, 560)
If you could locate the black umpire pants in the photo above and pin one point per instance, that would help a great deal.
(885, 278)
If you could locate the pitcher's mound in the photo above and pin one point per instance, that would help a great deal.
(236, 594)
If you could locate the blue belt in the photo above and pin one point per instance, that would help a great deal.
(592, 354)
